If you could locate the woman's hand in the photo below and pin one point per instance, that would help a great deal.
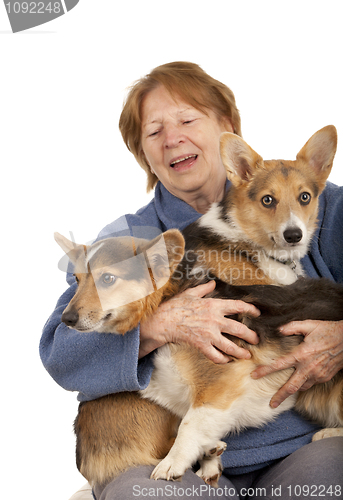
(198, 321)
(316, 360)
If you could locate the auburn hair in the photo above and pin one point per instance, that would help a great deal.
(186, 81)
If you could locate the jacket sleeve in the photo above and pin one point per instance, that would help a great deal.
(94, 364)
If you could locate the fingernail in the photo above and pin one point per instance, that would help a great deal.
(253, 375)
(274, 404)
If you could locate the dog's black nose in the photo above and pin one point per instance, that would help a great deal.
(293, 235)
(70, 318)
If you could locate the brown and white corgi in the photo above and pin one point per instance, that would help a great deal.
(191, 403)
(263, 227)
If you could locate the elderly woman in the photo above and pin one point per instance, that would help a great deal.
(171, 122)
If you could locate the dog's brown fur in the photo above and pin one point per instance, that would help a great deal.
(123, 430)
(111, 427)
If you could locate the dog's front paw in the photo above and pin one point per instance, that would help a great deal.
(169, 470)
(329, 432)
(215, 452)
(210, 471)
(210, 466)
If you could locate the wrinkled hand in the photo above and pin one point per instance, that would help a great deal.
(198, 321)
(316, 360)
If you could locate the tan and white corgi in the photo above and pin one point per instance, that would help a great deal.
(264, 225)
(191, 403)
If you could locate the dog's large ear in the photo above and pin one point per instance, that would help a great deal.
(239, 159)
(319, 151)
(175, 245)
(164, 254)
(69, 247)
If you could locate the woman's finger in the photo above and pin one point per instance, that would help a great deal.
(299, 327)
(294, 384)
(239, 330)
(228, 306)
(215, 355)
(239, 307)
(275, 366)
(200, 290)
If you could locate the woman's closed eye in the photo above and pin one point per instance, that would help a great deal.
(152, 134)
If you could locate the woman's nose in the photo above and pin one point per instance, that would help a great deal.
(173, 136)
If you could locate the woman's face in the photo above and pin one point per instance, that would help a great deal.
(181, 146)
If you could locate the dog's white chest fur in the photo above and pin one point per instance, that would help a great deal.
(279, 272)
(166, 386)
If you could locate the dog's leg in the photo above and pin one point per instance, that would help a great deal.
(199, 431)
(211, 466)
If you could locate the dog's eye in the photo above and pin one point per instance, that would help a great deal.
(305, 198)
(108, 279)
(267, 201)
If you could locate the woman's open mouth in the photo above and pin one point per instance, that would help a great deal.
(183, 162)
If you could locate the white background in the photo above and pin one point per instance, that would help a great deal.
(64, 166)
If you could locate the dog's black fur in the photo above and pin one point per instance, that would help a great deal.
(315, 299)
(307, 298)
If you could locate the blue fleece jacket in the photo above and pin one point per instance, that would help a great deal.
(97, 364)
